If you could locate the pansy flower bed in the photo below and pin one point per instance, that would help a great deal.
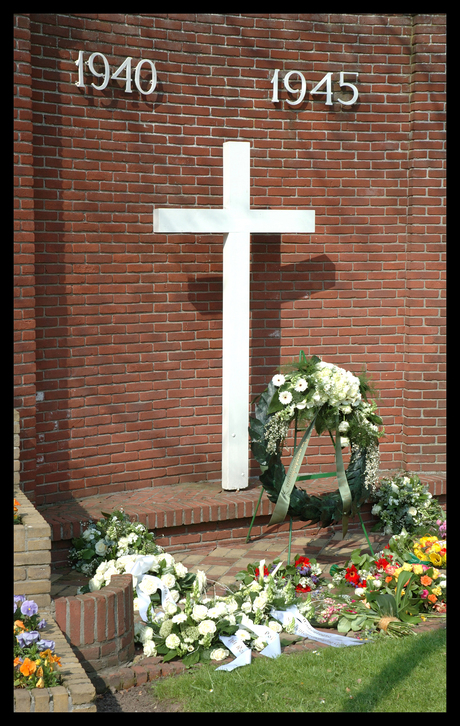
(35, 663)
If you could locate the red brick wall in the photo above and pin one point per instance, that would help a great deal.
(118, 352)
(100, 625)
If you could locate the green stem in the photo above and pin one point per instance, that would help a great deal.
(290, 538)
(254, 516)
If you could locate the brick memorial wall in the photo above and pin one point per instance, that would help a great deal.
(118, 330)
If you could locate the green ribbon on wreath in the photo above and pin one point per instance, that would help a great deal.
(344, 487)
(282, 504)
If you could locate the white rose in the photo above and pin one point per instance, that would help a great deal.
(206, 627)
(259, 644)
(218, 654)
(199, 612)
(259, 602)
(169, 580)
(172, 641)
(232, 605)
(180, 569)
(376, 583)
(246, 607)
(148, 585)
(88, 534)
(376, 509)
(273, 625)
(100, 548)
(170, 608)
(167, 558)
(95, 583)
(412, 511)
(150, 649)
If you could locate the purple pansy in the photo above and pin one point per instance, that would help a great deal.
(29, 607)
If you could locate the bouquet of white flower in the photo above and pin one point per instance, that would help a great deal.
(108, 539)
(404, 503)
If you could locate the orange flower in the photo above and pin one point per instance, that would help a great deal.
(432, 598)
(388, 579)
(425, 580)
(19, 624)
(28, 667)
(17, 661)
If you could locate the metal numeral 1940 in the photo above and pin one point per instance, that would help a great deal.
(123, 72)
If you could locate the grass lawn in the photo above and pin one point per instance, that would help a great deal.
(403, 675)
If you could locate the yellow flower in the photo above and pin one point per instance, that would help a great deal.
(407, 567)
(396, 572)
(436, 591)
(418, 569)
(435, 573)
(436, 559)
(418, 553)
(40, 683)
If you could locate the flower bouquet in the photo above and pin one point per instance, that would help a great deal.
(404, 503)
(108, 539)
(305, 573)
(428, 585)
(163, 572)
(427, 549)
(34, 659)
(191, 629)
(363, 570)
(323, 610)
(392, 613)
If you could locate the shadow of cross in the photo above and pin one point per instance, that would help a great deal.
(236, 221)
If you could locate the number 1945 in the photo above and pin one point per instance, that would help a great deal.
(324, 87)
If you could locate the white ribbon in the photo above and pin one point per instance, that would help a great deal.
(303, 628)
(138, 569)
(240, 649)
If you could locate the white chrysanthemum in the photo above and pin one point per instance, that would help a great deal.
(285, 397)
(278, 380)
(243, 634)
(179, 618)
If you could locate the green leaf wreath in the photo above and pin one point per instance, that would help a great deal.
(312, 394)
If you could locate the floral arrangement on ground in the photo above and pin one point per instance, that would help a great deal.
(35, 663)
(314, 394)
(372, 595)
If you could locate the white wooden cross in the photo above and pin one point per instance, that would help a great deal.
(236, 221)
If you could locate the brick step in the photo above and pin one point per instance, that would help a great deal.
(190, 515)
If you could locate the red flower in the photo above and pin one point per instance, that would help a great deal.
(382, 562)
(302, 561)
(266, 572)
(299, 588)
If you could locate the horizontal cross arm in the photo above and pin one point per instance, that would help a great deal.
(225, 221)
